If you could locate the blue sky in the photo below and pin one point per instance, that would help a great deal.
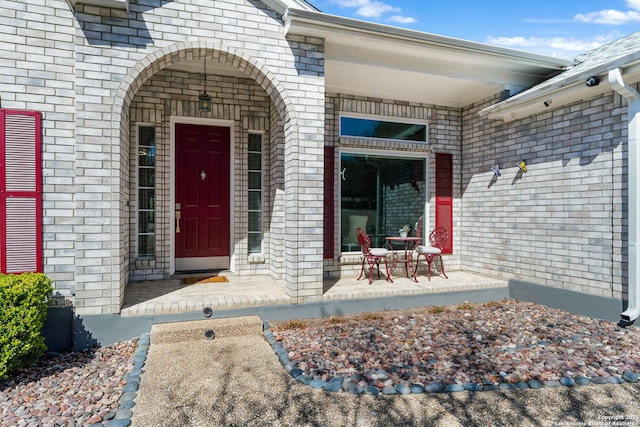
(562, 28)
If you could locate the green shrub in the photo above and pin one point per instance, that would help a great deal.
(23, 308)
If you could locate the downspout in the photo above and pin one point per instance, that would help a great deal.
(633, 112)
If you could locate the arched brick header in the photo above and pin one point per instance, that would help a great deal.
(216, 51)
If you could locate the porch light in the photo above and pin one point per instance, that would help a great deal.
(204, 100)
(496, 171)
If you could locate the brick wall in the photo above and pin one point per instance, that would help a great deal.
(559, 224)
(84, 69)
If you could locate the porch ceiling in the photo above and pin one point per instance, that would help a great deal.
(369, 59)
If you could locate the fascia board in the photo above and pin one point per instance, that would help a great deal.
(562, 91)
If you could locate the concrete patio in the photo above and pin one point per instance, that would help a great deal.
(171, 297)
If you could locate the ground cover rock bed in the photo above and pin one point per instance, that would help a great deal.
(498, 345)
(71, 389)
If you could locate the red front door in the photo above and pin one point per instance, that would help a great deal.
(202, 231)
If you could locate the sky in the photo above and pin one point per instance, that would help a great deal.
(560, 28)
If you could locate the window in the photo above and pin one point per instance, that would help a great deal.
(373, 128)
(20, 191)
(255, 194)
(146, 191)
(379, 193)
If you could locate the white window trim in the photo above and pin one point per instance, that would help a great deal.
(255, 257)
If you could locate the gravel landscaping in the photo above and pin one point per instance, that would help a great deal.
(498, 345)
(71, 389)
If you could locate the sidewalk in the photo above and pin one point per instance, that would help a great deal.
(236, 379)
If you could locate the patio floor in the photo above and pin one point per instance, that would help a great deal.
(172, 297)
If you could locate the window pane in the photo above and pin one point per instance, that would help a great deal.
(147, 177)
(255, 180)
(381, 195)
(255, 221)
(147, 156)
(255, 243)
(146, 222)
(371, 128)
(255, 200)
(255, 160)
(146, 246)
(147, 199)
(255, 142)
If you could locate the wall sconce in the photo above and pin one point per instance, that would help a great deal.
(204, 100)
(523, 166)
(496, 171)
(547, 102)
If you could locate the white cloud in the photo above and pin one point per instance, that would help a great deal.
(402, 19)
(609, 17)
(562, 47)
(612, 16)
(375, 9)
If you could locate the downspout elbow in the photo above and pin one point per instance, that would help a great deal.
(616, 82)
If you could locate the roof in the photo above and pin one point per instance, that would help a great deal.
(569, 86)
(374, 60)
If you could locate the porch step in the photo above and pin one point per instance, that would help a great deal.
(199, 330)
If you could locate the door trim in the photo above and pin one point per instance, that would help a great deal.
(173, 120)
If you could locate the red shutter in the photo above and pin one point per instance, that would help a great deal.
(20, 191)
(444, 197)
(329, 214)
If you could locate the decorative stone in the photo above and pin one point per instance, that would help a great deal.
(403, 389)
(521, 385)
(417, 389)
(535, 384)
(583, 381)
(371, 390)
(304, 379)
(454, 388)
(333, 385)
(295, 373)
(351, 387)
(507, 386)
(472, 387)
(567, 381)
(317, 383)
(389, 389)
(435, 387)
(630, 377)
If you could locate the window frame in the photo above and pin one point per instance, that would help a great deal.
(382, 153)
(389, 119)
(138, 188)
(261, 190)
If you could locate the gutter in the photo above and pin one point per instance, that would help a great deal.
(632, 312)
(565, 88)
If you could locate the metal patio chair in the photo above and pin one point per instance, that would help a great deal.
(437, 239)
(372, 256)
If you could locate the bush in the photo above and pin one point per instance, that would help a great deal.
(23, 308)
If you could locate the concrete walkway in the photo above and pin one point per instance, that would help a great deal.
(237, 380)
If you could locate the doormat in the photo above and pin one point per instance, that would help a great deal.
(202, 280)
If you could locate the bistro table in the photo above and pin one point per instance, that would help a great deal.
(409, 244)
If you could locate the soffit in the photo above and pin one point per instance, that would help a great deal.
(368, 59)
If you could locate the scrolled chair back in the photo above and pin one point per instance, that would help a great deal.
(364, 240)
(438, 237)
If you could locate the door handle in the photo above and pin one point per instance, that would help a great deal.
(178, 222)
